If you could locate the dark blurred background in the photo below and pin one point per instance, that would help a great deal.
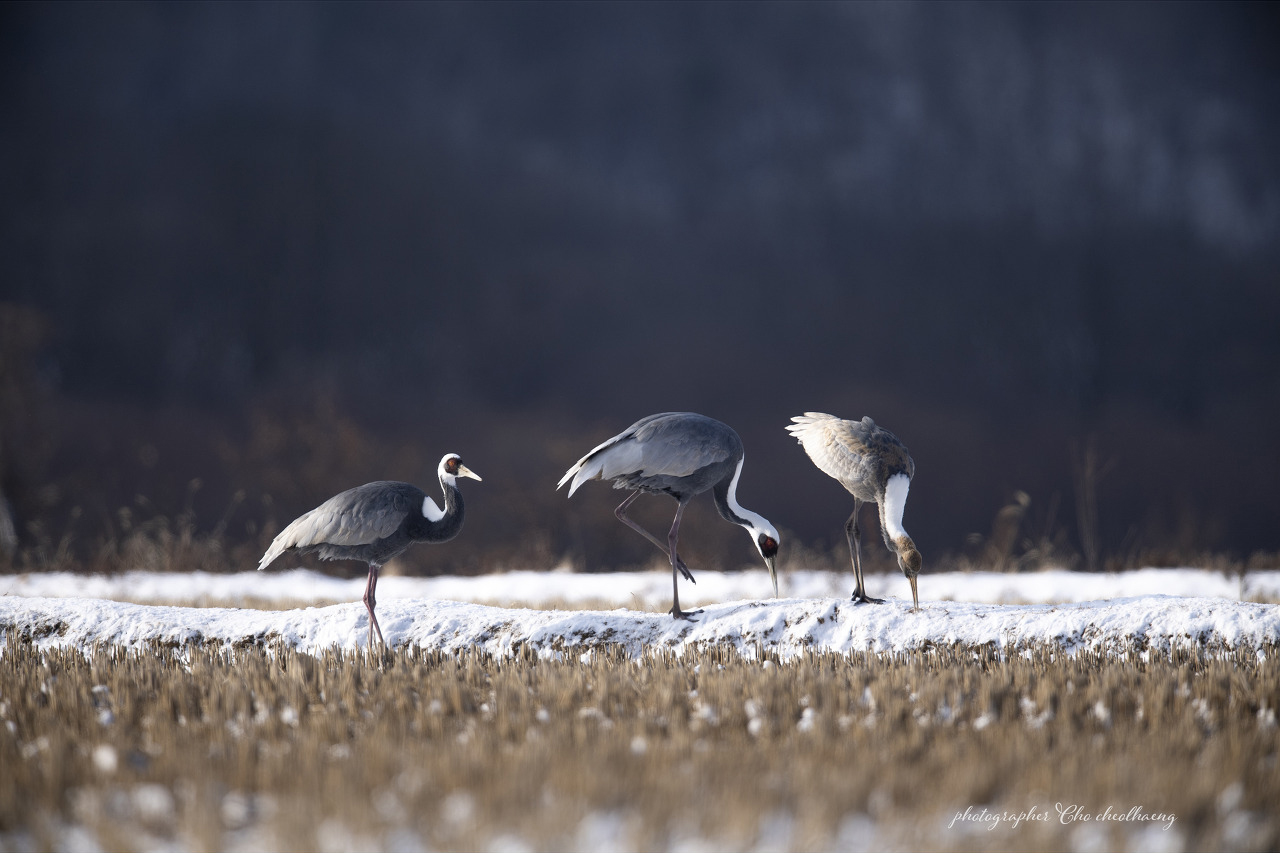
(253, 254)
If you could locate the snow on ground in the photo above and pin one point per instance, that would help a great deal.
(639, 590)
(1133, 610)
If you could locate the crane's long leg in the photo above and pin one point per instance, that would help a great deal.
(672, 539)
(370, 602)
(621, 513)
(853, 531)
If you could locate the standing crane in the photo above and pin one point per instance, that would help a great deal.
(873, 465)
(680, 454)
(375, 523)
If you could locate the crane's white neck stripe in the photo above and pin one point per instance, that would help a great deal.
(757, 522)
(430, 511)
(732, 495)
(895, 502)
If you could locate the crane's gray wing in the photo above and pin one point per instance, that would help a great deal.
(679, 443)
(675, 444)
(358, 516)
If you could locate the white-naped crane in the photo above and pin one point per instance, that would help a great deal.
(873, 465)
(680, 454)
(375, 523)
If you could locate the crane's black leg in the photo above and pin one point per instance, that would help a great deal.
(621, 513)
(853, 530)
(672, 539)
(370, 602)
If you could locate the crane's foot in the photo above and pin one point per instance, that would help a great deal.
(681, 614)
(866, 599)
(684, 570)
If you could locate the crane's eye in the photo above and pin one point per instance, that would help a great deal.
(452, 465)
(768, 546)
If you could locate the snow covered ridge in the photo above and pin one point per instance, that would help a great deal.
(1116, 613)
(1150, 623)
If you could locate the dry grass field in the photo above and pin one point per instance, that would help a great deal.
(202, 748)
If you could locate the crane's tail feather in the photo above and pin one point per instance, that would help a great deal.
(274, 551)
(807, 423)
(600, 462)
(568, 475)
(587, 469)
(295, 535)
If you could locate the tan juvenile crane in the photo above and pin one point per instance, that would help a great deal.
(873, 465)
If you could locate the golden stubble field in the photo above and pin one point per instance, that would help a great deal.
(205, 748)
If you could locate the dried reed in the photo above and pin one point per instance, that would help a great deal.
(210, 748)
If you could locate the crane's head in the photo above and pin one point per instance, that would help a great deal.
(909, 561)
(451, 468)
(766, 539)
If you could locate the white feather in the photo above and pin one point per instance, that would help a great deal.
(895, 503)
(430, 510)
(584, 474)
(811, 429)
(271, 554)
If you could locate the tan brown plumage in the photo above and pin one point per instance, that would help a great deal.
(873, 465)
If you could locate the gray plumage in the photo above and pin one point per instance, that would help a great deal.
(873, 465)
(675, 453)
(680, 454)
(375, 523)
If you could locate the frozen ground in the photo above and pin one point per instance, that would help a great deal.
(1156, 608)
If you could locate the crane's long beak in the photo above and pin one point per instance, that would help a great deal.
(464, 471)
(771, 562)
(915, 598)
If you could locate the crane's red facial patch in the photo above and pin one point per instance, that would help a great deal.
(452, 465)
(768, 546)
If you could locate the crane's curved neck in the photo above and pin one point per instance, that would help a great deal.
(440, 525)
(726, 498)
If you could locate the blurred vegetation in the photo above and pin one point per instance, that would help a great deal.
(219, 748)
(104, 485)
